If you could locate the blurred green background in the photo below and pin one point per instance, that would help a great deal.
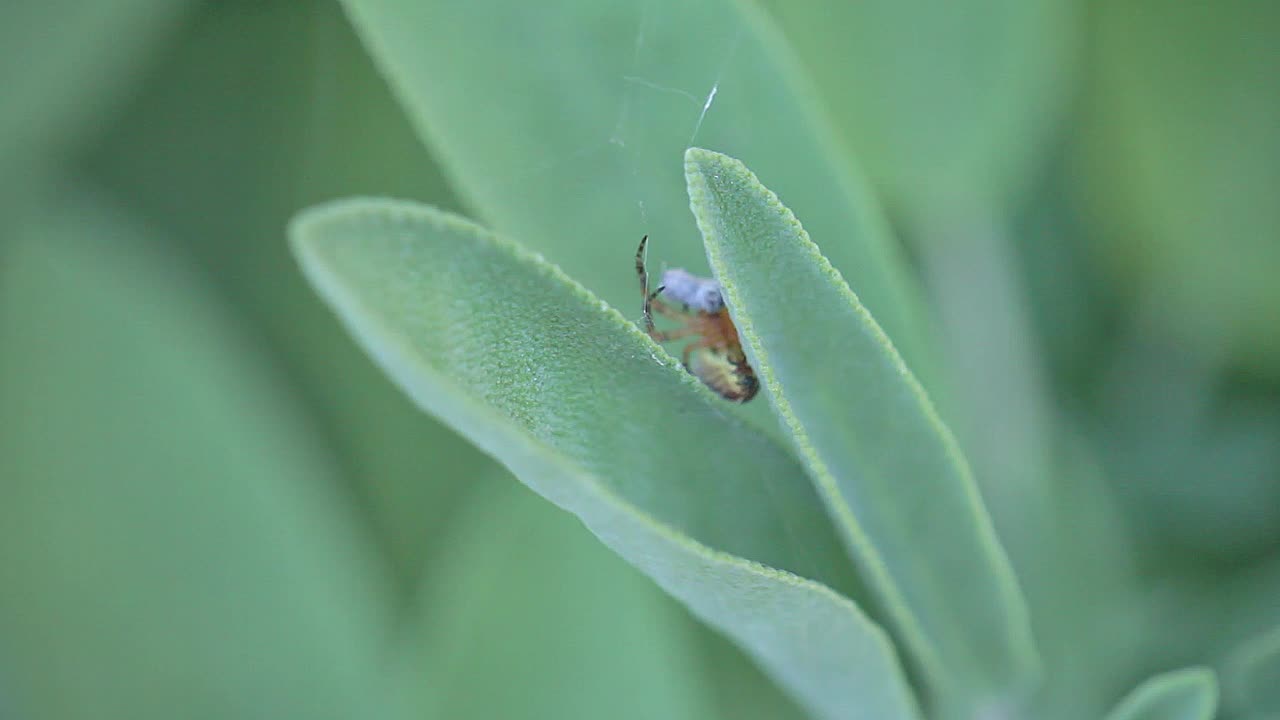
(213, 505)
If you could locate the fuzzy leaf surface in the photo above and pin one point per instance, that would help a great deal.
(588, 412)
(599, 101)
(890, 472)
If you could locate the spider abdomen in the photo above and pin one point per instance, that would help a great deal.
(731, 377)
(697, 293)
(714, 354)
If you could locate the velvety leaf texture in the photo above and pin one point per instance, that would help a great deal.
(588, 412)
(889, 471)
(599, 101)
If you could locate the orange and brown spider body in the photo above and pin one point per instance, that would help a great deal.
(715, 357)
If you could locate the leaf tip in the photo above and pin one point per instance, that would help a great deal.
(697, 154)
(307, 224)
(1193, 689)
(1200, 680)
(307, 228)
(703, 161)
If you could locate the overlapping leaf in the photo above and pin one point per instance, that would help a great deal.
(597, 102)
(1249, 676)
(172, 542)
(887, 468)
(587, 411)
(1190, 694)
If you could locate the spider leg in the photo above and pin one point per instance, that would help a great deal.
(640, 271)
(651, 301)
(649, 297)
(662, 336)
(664, 309)
(702, 343)
(648, 311)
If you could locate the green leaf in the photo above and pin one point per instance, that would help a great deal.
(598, 101)
(743, 691)
(887, 468)
(1181, 145)
(587, 411)
(1188, 694)
(527, 604)
(172, 539)
(1249, 675)
(947, 104)
(278, 96)
(61, 64)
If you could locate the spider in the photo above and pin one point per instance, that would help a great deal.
(716, 357)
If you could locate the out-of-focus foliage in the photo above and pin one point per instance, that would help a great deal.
(1183, 162)
(1190, 694)
(213, 504)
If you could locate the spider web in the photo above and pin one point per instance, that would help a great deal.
(700, 104)
(637, 83)
(632, 154)
(625, 141)
(636, 92)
